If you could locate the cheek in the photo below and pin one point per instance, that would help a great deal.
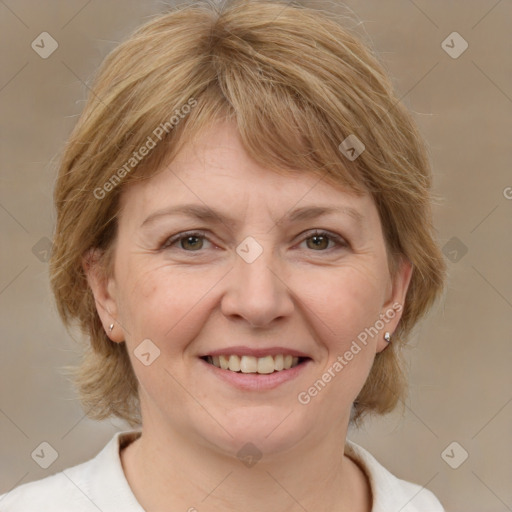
(164, 303)
(347, 303)
(346, 300)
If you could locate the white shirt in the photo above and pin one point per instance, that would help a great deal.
(100, 485)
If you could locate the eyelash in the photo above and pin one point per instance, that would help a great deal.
(169, 242)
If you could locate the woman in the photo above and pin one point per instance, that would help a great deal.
(244, 232)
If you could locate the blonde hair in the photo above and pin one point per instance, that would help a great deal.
(297, 83)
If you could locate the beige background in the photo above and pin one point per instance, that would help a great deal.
(461, 356)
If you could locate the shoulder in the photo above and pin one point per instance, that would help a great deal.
(96, 484)
(390, 492)
(61, 492)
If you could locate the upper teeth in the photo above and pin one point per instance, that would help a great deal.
(251, 364)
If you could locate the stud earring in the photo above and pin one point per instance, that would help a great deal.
(110, 327)
(387, 337)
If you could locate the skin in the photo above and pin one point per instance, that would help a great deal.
(195, 297)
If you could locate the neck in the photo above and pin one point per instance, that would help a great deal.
(170, 471)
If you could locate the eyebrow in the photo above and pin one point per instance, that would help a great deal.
(204, 213)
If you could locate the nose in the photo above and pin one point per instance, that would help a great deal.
(257, 291)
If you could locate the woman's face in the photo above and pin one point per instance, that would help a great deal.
(248, 278)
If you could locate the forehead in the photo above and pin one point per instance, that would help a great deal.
(213, 171)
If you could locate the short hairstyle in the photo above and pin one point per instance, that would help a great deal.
(297, 83)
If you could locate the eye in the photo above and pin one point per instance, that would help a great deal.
(191, 241)
(320, 240)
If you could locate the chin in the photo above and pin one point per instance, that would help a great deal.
(265, 430)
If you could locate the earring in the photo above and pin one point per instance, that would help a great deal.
(110, 327)
(387, 337)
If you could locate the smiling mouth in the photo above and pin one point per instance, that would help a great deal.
(251, 364)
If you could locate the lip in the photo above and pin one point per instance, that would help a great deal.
(254, 381)
(255, 352)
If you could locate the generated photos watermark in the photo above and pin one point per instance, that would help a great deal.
(137, 156)
(305, 397)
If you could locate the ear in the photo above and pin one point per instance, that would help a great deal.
(103, 288)
(394, 304)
